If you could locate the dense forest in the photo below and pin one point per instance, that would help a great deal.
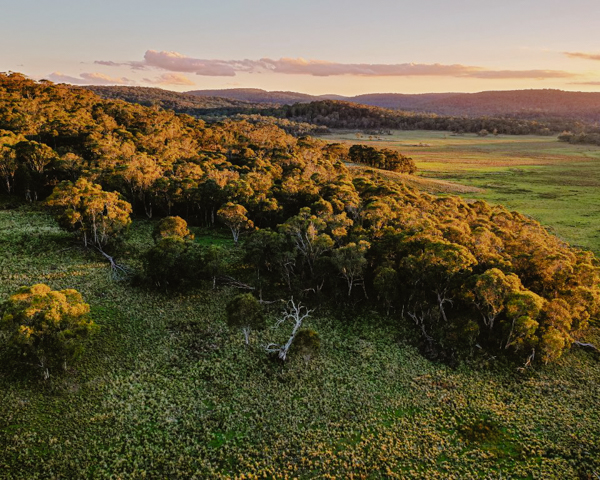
(211, 108)
(468, 277)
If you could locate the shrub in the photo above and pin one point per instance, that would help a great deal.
(172, 262)
(245, 311)
(307, 344)
(47, 326)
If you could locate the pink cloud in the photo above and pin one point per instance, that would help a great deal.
(177, 62)
(133, 65)
(170, 79)
(584, 55)
(89, 79)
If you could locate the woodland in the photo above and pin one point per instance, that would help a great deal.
(267, 232)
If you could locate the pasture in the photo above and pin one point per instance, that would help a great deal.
(556, 183)
(167, 390)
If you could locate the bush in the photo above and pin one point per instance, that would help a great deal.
(245, 312)
(307, 344)
(172, 262)
(46, 326)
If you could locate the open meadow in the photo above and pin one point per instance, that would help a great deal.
(167, 390)
(556, 183)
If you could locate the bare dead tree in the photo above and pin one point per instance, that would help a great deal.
(295, 313)
(233, 282)
(587, 345)
(117, 271)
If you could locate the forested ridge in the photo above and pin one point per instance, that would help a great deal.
(342, 114)
(463, 274)
(176, 101)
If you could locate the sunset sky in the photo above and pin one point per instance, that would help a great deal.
(327, 46)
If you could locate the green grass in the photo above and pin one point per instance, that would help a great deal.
(556, 183)
(166, 390)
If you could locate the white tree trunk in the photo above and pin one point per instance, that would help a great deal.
(297, 313)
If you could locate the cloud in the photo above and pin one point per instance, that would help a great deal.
(177, 62)
(170, 79)
(534, 74)
(133, 65)
(585, 83)
(584, 55)
(89, 79)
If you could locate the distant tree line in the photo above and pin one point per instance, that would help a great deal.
(592, 138)
(178, 102)
(385, 159)
(339, 114)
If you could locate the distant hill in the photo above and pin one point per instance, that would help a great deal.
(256, 95)
(178, 102)
(521, 103)
(527, 104)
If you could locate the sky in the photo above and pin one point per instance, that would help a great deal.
(347, 47)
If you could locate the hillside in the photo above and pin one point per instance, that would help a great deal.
(178, 102)
(517, 112)
(167, 390)
(528, 104)
(257, 95)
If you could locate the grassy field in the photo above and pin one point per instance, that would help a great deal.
(166, 390)
(556, 183)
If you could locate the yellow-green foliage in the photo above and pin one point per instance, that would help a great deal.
(46, 326)
(330, 223)
(234, 216)
(172, 226)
